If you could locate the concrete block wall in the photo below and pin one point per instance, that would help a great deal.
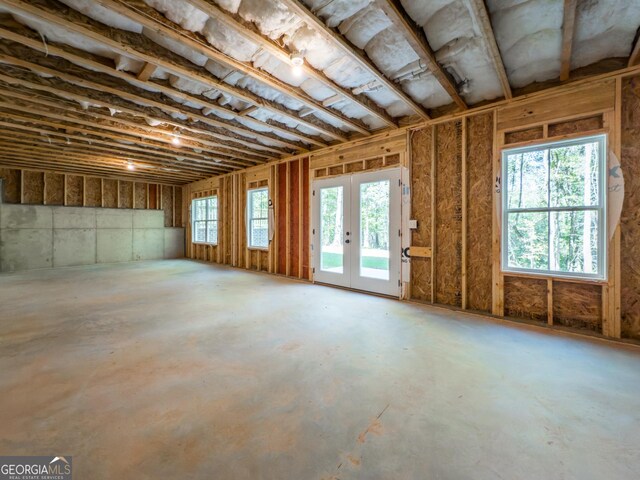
(36, 236)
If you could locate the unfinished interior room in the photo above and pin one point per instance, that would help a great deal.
(320, 239)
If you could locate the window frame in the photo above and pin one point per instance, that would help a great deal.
(250, 218)
(206, 221)
(602, 274)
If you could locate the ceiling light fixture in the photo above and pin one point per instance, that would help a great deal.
(176, 141)
(297, 61)
(130, 166)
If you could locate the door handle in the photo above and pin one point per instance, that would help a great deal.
(347, 241)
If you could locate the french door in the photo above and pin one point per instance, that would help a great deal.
(356, 231)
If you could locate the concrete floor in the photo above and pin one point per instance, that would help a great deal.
(178, 369)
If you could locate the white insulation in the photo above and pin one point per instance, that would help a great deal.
(528, 33)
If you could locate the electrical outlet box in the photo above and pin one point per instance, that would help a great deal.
(413, 224)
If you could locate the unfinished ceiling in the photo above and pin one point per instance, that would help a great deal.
(186, 89)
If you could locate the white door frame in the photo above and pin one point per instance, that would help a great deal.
(351, 277)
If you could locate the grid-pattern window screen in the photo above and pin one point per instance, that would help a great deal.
(258, 218)
(553, 210)
(204, 214)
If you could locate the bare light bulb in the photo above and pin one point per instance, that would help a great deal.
(176, 141)
(296, 70)
(131, 166)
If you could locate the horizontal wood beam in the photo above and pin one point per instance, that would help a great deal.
(568, 29)
(418, 41)
(481, 16)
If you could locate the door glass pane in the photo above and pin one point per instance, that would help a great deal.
(374, 229)
(331, 229)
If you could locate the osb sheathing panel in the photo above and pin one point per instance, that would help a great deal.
(577, 305)
(421, 152)
(126, 194)
(167, 205)
(281, 212)
(110, 193)
(529, 134)
(264, 261)
(479, 211)
(54, 193)
(178, 206)
(576, 126)
(253, 259)
(306, 270)
(525, 298)
(33, 187)
(140, 200)
(75, 189)
(448, 222)
(294, 218)
(11, 185)
(93, 193)
(630, 219)
(241, 215)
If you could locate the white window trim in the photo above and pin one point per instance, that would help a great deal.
(603, 259)
(193, 221)
(249, 218)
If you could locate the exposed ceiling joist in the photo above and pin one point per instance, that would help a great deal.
(55, 151)
(68, 110)
(48, 138)
(568, 28)
(147, 71)
(120, 99)
(418, 41)
(213, 10)
(141, 48)
(151, 19)
(481, 16)
(52, 135)
(634, 58)
(354, 53)
(81, 166)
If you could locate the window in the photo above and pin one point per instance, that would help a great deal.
(258, 216)
(553, 210)
(204, 214)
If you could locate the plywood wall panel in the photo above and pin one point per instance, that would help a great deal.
(178, 206)
(93, 192)
(577, 305)
(448, 222)
(11, 184)
(294, 218)
(126, 194)
(630, 221)
(479, 211)
(140, 199)
(535, 133)
(33, 187)
(281, 212)
(75, 190)
(306, 268)
(54, 193)
(576, 126)
(525, 298)
(421, 148)
(167, 205)
(110, 193)
(153, 196)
